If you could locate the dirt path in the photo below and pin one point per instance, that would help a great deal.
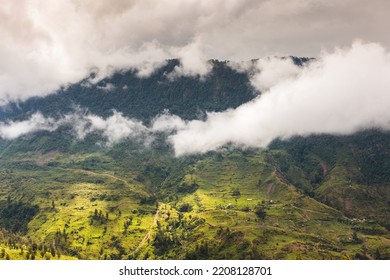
(133, 189)
(270, 189)
(104, 174)
(149, 233)
(308, 210)
(303, 214)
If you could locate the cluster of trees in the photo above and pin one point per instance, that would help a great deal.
(261, 212)
(4, 255)
(175, 231)
(25, 247)
(14, 216)
(200, 252)
(128, 223)
(99, 217)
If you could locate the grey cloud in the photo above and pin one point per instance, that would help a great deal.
(46, 44)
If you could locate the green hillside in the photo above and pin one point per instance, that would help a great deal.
(141, 203)
(317, 197)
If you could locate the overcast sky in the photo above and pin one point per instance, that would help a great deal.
(45, 44)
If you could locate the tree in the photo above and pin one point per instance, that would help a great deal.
(185, 207)
(47, 256)
(53, 251)
(2, 254)
(236, 192)
(356, 238)
(378, 255)
(261, 213)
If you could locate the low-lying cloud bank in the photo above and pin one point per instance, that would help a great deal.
(37, 122)
(114, 128)
(338, 93)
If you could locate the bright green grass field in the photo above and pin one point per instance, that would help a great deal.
(206, 209)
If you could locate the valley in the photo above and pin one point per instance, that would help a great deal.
(150, 205)
(66, 197)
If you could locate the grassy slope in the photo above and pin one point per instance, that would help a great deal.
(296, 226)
(76, 194)
(138, 197)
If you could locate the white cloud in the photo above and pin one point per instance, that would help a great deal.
(272, 71)
(340, 93)
(167, 123)
(116, 128)
(107, 87)
(37, 122)
(266, 72)
(193, 62)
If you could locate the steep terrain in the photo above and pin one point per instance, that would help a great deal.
(316, 197)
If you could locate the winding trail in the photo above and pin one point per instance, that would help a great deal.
(149, 233)
(131, 187)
